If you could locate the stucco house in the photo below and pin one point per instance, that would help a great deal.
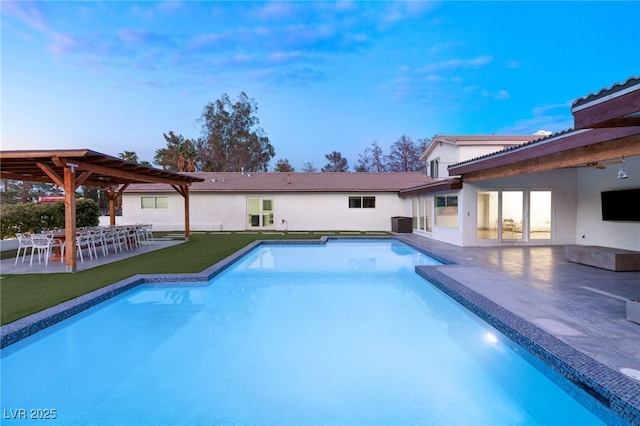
(545, 190)
(276, 201)
(548, 191)
(445, 150)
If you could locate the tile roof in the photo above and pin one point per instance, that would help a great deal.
(617, 87)
(297, 182)
(517, 139)
(539, 139)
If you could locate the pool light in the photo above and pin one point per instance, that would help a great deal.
(492, 338)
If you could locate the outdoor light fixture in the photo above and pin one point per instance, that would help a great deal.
(622, 173)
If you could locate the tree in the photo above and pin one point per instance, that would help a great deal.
(404, 156)
(283, 165)
(336, 163)
(17, 191)
(364, 161)
(129, 156)
(378, 159)
(178, 153)
(372, 160)
(231, 139)
(308, 167)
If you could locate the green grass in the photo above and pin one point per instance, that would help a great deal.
(23, 295)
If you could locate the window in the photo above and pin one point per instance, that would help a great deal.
(362, 202)
(368, 202)
(447, 211)
(422, 207)
(154, 202)
(433, 167)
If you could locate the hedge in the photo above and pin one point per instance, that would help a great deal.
(32, 217)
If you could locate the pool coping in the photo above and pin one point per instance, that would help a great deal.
(611, 388)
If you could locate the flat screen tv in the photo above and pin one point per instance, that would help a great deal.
(621, 205)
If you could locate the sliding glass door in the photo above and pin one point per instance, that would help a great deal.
(500, 215)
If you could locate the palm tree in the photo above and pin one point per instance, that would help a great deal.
(129, 156)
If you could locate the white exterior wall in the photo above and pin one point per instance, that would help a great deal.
(452, 154)
(301, 211)
(591, 229)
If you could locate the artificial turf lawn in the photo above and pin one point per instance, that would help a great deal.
(23, 295)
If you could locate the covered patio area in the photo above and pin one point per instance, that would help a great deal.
(70, 169)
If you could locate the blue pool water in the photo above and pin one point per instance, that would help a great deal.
(344, 333)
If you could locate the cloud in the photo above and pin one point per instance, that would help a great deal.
(201, 41)
(553, 118)
(152, 11)
(275, 10)
(284, 56)
(277, 41)
(459, 63)
(27, 13)
(500, 95)
(443, 47)
(401, 11)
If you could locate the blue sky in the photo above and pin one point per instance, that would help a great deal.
(327, 76)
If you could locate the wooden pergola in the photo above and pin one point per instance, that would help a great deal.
(70, 169)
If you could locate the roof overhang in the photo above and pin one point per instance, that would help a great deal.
(570, 149)
(617, 106)
(440, 186)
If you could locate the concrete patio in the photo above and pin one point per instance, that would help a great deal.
(583, 306)
(8, 266)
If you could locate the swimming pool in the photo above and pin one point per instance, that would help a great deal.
(342, 333)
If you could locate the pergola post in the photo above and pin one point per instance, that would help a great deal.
(186, 212)
(70, 216)
(184, 191)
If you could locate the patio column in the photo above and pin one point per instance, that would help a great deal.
(70, 216)
(184, 191)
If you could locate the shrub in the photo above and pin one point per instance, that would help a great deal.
(87, 212)
(31, 217)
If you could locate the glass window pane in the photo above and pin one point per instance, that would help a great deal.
(368, 202)
(253, 207)
(162, 202)
(414, 207)
(512, 215)
(428, 212)
(146, 202)
(540, 215)
(447, 211)
(487, 215)
(355, 202)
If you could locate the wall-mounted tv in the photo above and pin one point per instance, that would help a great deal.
(621, 205)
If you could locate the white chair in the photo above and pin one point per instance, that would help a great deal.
(24, 244)
(43, 244)
(122, 237)
(108, 236)
(141, 234)
(95, 236)
(83, 240)
(144, 232)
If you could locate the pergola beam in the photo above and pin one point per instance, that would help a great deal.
(118, 173)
